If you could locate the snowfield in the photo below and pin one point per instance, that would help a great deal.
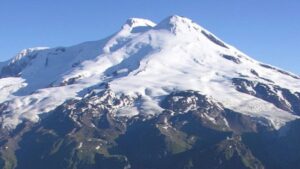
(144, 60)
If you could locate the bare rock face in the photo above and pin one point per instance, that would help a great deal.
(280, 97)
(87, 133)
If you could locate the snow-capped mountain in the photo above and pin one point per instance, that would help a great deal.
(144, 60)
(174, 78)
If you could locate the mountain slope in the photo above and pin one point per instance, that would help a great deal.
(141, 59)
(172, 86)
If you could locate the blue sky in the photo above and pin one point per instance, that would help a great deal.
(267, 30)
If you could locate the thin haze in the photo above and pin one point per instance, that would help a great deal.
(267, 30)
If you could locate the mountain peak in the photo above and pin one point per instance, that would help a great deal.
(25, 52)
(137, 22)
(177, 24)
(178, 19)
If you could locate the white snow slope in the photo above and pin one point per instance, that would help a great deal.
(142, 59)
